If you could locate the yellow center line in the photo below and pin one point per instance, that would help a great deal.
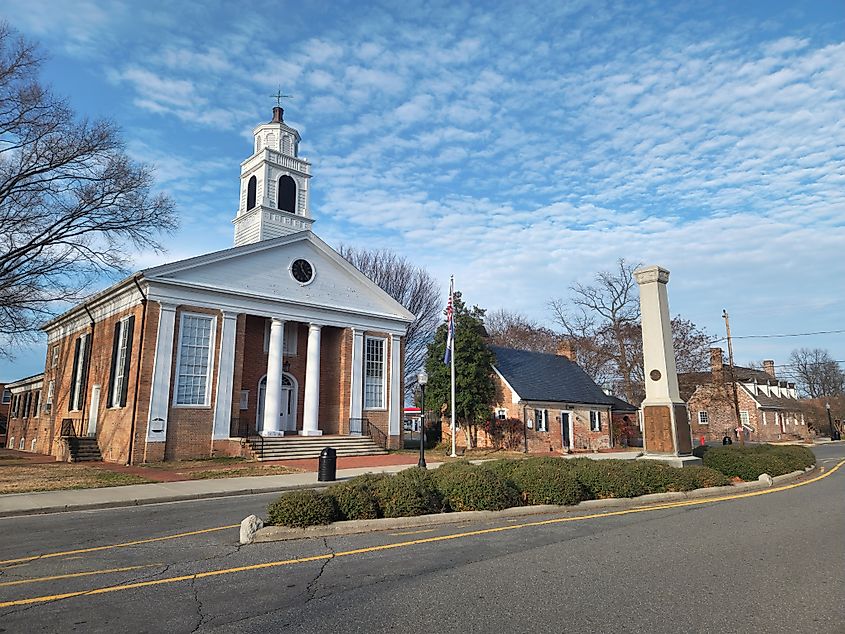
(405, 544)
(76, 574)
(136, 542)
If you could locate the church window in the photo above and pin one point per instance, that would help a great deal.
(251, 188)
(287, 194)
(285, 144)
(374, 373)
(120, 360)
(79, 376)
(193, 365)
(7, 396)
(595, 420)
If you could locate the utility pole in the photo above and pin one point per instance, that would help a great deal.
(739, 424)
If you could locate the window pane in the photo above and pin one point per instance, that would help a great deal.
(374, 373)
(194, 352)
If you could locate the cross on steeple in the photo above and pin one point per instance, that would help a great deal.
(279, 96)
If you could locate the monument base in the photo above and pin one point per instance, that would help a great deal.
(666, 429)
(673, 461)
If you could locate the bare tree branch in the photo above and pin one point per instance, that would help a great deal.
(72, 204)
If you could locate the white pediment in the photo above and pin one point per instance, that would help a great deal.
(263, 270)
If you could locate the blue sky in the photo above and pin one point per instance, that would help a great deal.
(520, 146)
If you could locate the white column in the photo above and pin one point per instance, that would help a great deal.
(225, 377)
(311, 413)
(273, 391)
(395, 412)
(160, 390)
(356, 405)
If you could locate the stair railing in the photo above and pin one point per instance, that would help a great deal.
(374, 432)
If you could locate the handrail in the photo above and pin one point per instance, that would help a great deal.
(68, 428)
(374, 432)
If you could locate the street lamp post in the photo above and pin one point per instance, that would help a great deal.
(829, 420)
(422, 379)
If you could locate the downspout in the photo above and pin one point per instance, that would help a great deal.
(137, 371)
(525, 426)
(85, 403)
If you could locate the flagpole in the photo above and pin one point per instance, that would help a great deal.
(452, 300)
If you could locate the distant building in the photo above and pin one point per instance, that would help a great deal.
(559, 405)
(5, 402)
(26, 431)
(769, 408)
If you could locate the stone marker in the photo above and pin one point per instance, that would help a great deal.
(666, 429)
(766, 479)
(249, 527)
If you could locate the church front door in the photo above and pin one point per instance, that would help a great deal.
(290, 394)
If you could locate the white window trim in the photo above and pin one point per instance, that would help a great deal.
(7, 397)
(542, 420)
(209, 374)
(705, 419)
(54, 361)
(383, 408)
(597, 413)
(77, 389)
(243, 404)
(123, 338)
(745, 418)
(501, 414)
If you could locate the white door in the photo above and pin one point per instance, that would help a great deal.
(290, 393)
(94, 410)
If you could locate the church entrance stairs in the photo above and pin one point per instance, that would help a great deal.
(299, 447)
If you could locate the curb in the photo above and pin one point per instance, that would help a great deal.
(352, 527)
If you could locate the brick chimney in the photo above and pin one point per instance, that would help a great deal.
(717, 363)
(566, 349)
(769, 367)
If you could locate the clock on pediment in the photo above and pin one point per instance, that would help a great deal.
(302, 271)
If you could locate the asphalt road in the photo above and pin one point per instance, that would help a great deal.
(767, 563)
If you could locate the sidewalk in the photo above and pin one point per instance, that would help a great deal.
(173, 491)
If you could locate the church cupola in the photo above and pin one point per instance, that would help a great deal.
(274, 185)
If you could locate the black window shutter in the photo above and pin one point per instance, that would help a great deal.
(127, 363)
(86, 361)
(73, 374)
(115, 349)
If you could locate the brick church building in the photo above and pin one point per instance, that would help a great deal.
(276, 338)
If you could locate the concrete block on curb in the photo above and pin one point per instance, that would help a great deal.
(766, 479)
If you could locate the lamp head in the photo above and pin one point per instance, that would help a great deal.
(422, 377)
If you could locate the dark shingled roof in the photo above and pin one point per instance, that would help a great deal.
(538, 376)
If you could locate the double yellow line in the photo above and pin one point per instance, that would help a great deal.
(405, 544)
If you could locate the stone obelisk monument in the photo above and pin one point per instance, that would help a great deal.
(666, 429)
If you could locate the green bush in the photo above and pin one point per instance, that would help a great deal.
(356, 499)
(410, 492)
(466, 487)
(748, 463)
(301, 509)
(548, 481)
(690, 478)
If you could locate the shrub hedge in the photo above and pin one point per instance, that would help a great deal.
(356, 499)
(500, 484)
(408, 493)
(749, 462)
(302, 508)
(467, 487)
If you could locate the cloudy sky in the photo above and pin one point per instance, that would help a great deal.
(520, 146)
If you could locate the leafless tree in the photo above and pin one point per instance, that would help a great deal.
(818, 374)
(72, 204)
(605, 313)
(511, 329)
(411, 286)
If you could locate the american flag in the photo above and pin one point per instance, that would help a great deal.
(450, 326)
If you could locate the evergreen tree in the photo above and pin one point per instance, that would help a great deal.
(475, 390)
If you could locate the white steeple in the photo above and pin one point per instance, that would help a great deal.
(274, 185)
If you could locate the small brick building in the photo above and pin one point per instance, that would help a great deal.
(561, 408)
(769, 409)
(278, 336)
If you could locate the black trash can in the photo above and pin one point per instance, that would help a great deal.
(327, 471)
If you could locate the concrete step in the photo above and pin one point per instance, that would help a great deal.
(298, 447)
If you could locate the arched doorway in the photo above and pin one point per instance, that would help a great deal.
(290, 395)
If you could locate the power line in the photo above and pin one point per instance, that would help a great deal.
(795, 334)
